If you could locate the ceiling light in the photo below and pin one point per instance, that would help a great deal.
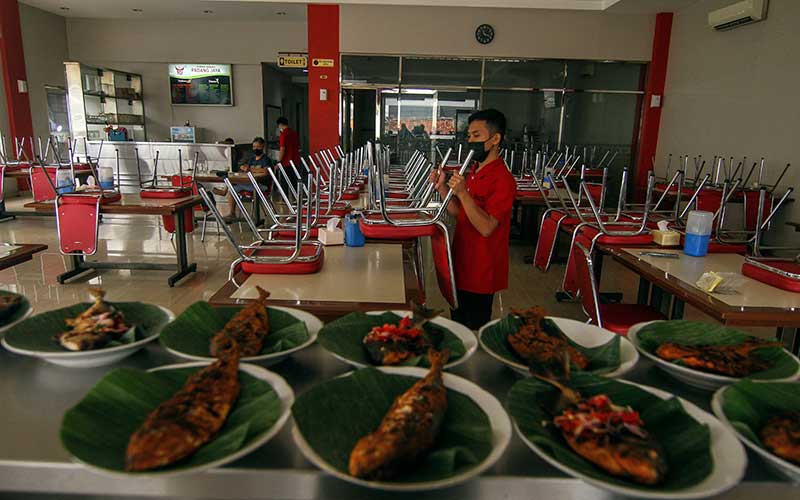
(137, 10)
(280, 13)
(208, 12)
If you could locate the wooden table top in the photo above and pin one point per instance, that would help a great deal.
(12, 254)
(134, 204)
(678, 277)
(410, 290)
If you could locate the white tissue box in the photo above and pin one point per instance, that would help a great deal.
(331, 236)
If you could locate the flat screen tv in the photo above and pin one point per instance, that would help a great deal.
(201, 84)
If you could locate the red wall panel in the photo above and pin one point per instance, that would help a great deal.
(13, 61)
(323, 43)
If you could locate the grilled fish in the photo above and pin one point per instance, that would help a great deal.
(731, 360)
(612, 437)
(407, 431)
(393, 344)
(189, 419)
(248, 328)
(95, 327)
(534, 343)
(781, 436)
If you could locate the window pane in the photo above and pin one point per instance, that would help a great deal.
(452, 72)
(527, 74)
(370, 69)
(590, 75)
(532, 117)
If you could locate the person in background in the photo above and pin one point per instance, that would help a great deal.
(482, 205)
(257, 159)
(289, 151)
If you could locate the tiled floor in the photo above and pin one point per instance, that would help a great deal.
(143, 238)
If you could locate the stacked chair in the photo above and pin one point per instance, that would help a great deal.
(416, 217)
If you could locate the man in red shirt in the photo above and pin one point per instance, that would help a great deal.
(482, 204)
(289, 149)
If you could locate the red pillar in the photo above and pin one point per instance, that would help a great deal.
(323, 46)
(651, 116)
(13, 61)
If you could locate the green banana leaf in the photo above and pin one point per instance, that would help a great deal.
(686, 442)
(692, 333)
(602, 359)
(11, 315)
(40, 332)
(191, 332)
(334, 415)
(96, 431)
(345, 336)
(749, 405)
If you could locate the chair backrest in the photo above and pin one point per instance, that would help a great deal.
(77, 223)
(587, 286)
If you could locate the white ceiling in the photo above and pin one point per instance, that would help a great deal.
(175, 9)
(295, 10)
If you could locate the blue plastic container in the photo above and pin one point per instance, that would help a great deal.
(698, 233)
(696, 245)
(107, 185)
(353, 237)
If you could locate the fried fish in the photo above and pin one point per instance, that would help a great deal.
(389, 345)
(534, 343)
(95, 327)
(781, 436)
(189, 419)
(248, 328)
(407, 431)
(735, 360)
(610, 436)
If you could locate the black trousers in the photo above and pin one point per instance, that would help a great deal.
(474, 309)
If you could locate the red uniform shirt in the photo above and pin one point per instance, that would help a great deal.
(481, 263)
(291, 143)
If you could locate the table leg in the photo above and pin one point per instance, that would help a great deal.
(4, 216)
(184, 267)
(78, 268)
(644, 291)
(677, 308)
(794, 344)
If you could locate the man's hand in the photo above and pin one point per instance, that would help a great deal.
(244, 168)
(437, 178)
(457, 184)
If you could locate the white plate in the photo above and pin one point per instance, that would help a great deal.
(498, 420)
(93, 358)
(313, 324)
(727, 453)
(696, 378)
(278, 384)
(463, 333)
(582, 334)
(786, 468)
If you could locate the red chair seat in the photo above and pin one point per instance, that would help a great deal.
(639, 239)
(165, 194)
(386, 231)
(296, 267)
(78, 218)
(619, 318)
(397, 194)
(772, 278)
(545, 244)
(288, 234)
(528, 194)
(442, 263)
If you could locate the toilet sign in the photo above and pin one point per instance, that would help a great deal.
(292, 60)
(322, 63)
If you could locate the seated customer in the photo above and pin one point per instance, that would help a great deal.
(256, 161)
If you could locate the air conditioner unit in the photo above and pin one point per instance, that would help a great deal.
(738, 14)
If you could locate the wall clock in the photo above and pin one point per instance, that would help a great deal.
(484, 34)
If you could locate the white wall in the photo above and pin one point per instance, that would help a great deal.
(518, 32)
(735, 92)
(146, 47)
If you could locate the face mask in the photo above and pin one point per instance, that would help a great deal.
(479, 149)
(258, 152)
